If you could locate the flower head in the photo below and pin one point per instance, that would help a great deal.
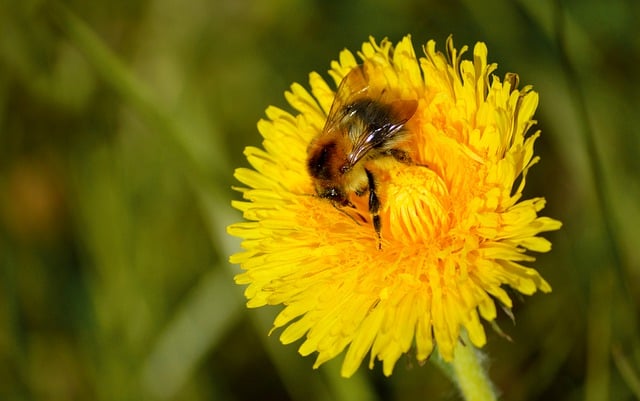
(454, 227)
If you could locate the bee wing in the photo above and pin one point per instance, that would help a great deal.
(384, 135)
(352, 86)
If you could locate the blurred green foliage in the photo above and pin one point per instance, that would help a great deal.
(121, 123)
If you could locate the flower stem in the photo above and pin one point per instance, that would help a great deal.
(469, 374)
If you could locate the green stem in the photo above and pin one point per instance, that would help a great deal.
(469, 374)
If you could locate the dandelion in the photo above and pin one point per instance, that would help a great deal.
(455, 230)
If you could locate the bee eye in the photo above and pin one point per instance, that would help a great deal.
(334, 194)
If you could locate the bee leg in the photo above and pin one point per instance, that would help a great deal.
(374, 206)
(338, 208)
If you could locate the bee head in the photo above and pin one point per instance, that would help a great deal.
(334, 194)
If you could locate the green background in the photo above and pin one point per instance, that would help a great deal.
(121, 123)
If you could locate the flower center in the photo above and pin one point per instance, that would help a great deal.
(417, 206)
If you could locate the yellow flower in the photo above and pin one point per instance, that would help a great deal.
(455, 230)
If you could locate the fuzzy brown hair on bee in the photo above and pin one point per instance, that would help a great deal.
(362, 126)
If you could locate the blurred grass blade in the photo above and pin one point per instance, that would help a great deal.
(300, 381)
(599, 333)
(355, 388)
(212, 308)
(627, 372)
(111, 69)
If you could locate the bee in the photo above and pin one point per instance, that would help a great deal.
(364, 125)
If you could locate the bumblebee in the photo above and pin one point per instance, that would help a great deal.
(363, 126)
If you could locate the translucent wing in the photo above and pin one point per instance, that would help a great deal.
(379, 126)
(369, 120)
(354, 85)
